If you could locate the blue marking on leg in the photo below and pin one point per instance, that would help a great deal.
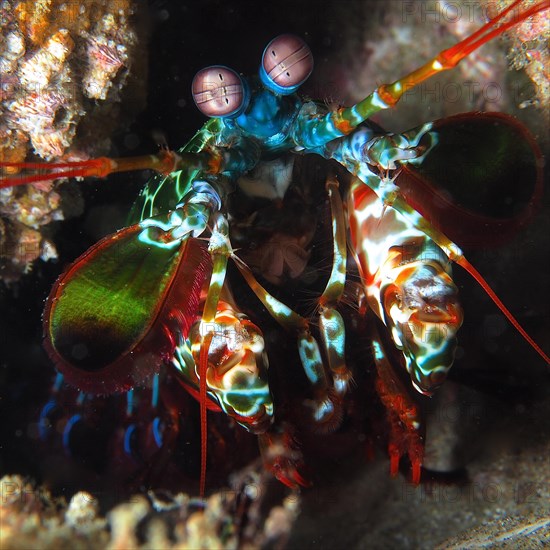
(44, 423)
(130, 402)
(155, 396)
(130, 430)
(157, 431)
(75, 419)
(58, 382)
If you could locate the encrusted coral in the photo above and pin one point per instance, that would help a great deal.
(31, 518)
(529, 52)
(63, 65)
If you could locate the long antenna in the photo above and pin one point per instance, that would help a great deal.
(465, 264)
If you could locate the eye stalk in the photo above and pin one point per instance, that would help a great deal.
(219, 91)
(286, 64)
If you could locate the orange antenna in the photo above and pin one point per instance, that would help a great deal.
(465, 264)
(165, 162)
(203, 367)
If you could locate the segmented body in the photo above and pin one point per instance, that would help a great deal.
(407, 284)
(403, 259)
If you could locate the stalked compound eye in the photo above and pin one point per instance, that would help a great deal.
(286, 64)
(219, 92)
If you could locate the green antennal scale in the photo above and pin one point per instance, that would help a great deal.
(110, 318)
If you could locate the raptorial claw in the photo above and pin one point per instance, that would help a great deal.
(424, 315)
(282, 458)
(387, 151)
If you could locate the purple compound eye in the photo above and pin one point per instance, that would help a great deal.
(218, 91)
(286, 64)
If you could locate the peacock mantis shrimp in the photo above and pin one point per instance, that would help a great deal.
(155, 296)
